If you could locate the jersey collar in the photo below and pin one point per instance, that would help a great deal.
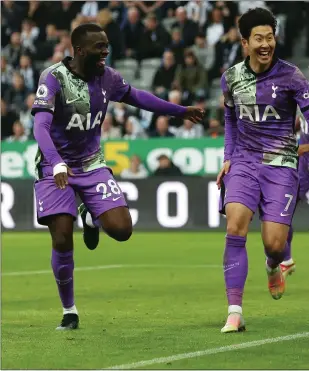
(273, 63)
(66, 63)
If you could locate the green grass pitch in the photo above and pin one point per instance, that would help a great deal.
(162, 295)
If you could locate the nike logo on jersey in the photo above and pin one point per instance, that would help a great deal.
(69, 101)
(116, 198)
(282, 214)
(240, 91)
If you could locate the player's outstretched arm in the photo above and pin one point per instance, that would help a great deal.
(41, 130)
(149, 102)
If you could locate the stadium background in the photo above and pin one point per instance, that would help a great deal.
(159, 294)
(176, 49)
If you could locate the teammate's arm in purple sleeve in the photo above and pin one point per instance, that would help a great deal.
(123, 92)
(41, 130)
(230, 118)
(149, 102)
(299, 87)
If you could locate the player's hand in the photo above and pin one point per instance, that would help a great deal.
(62, 179)
(302, 149)
(194, 114)
(223, 171)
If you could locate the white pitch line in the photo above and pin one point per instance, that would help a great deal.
(117, 266)
(208, 352)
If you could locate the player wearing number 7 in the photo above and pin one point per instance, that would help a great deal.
(70, 106)
(260, 156)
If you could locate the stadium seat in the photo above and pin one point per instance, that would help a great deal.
(152, 62)
(126, 64)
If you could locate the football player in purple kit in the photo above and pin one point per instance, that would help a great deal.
(260, 156)
(70, 106)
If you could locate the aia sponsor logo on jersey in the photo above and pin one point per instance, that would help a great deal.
(256, 113)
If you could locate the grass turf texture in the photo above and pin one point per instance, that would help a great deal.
(134, 313)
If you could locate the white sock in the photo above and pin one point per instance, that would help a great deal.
(288, 262)
(70, 310)
(271, 270)
(89, 220)
(235, 309)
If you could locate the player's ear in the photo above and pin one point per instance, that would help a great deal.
(244, 42)
(80, 51)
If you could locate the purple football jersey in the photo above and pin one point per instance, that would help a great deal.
(78, 108)
(265, 106)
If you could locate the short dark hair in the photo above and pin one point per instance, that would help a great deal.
(81, 31)
(256, 17)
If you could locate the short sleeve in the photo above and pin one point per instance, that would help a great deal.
(300, 91)
(228, 97)
(120, 87)
(45, 96)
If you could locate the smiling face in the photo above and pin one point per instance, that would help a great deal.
(261, 45)
(93, 52)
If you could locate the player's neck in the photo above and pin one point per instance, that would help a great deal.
(77, 67)
(258, 67)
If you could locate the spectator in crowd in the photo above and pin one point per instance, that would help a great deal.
(6, 74)
(18, 133)
(120, 113)
(25, 116)
(201, 102)
(154, 38)
(90, 10)
(133, 129)
(175, 96)
(118, 10)
(29, 35)
(217, 113)
(14, 49)
(190, 130)
(165, 75)
(177, 45)
(197, 11)
(11, 17)
(191, 77)
(18, 92)
(132, 32)
(136, 170)
(229, 10)
(28, 72)
(166, 167)
(46, 47)
(215, 29)
(65, 12)
(228, 52)
(189, 28)
(113, 32)
(162, 129)
(8, 117)
(147, 7)
(215, 129)
(39, 13)
(205, 53)
(64, 46)
(109, 131)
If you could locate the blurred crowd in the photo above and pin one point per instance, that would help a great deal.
(194, 42)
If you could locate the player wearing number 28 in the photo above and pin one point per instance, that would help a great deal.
(260, 156)
(70, 106)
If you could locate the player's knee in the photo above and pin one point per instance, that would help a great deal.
(235, 228)
(274, 245)
(122, 233)
(63, 241)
